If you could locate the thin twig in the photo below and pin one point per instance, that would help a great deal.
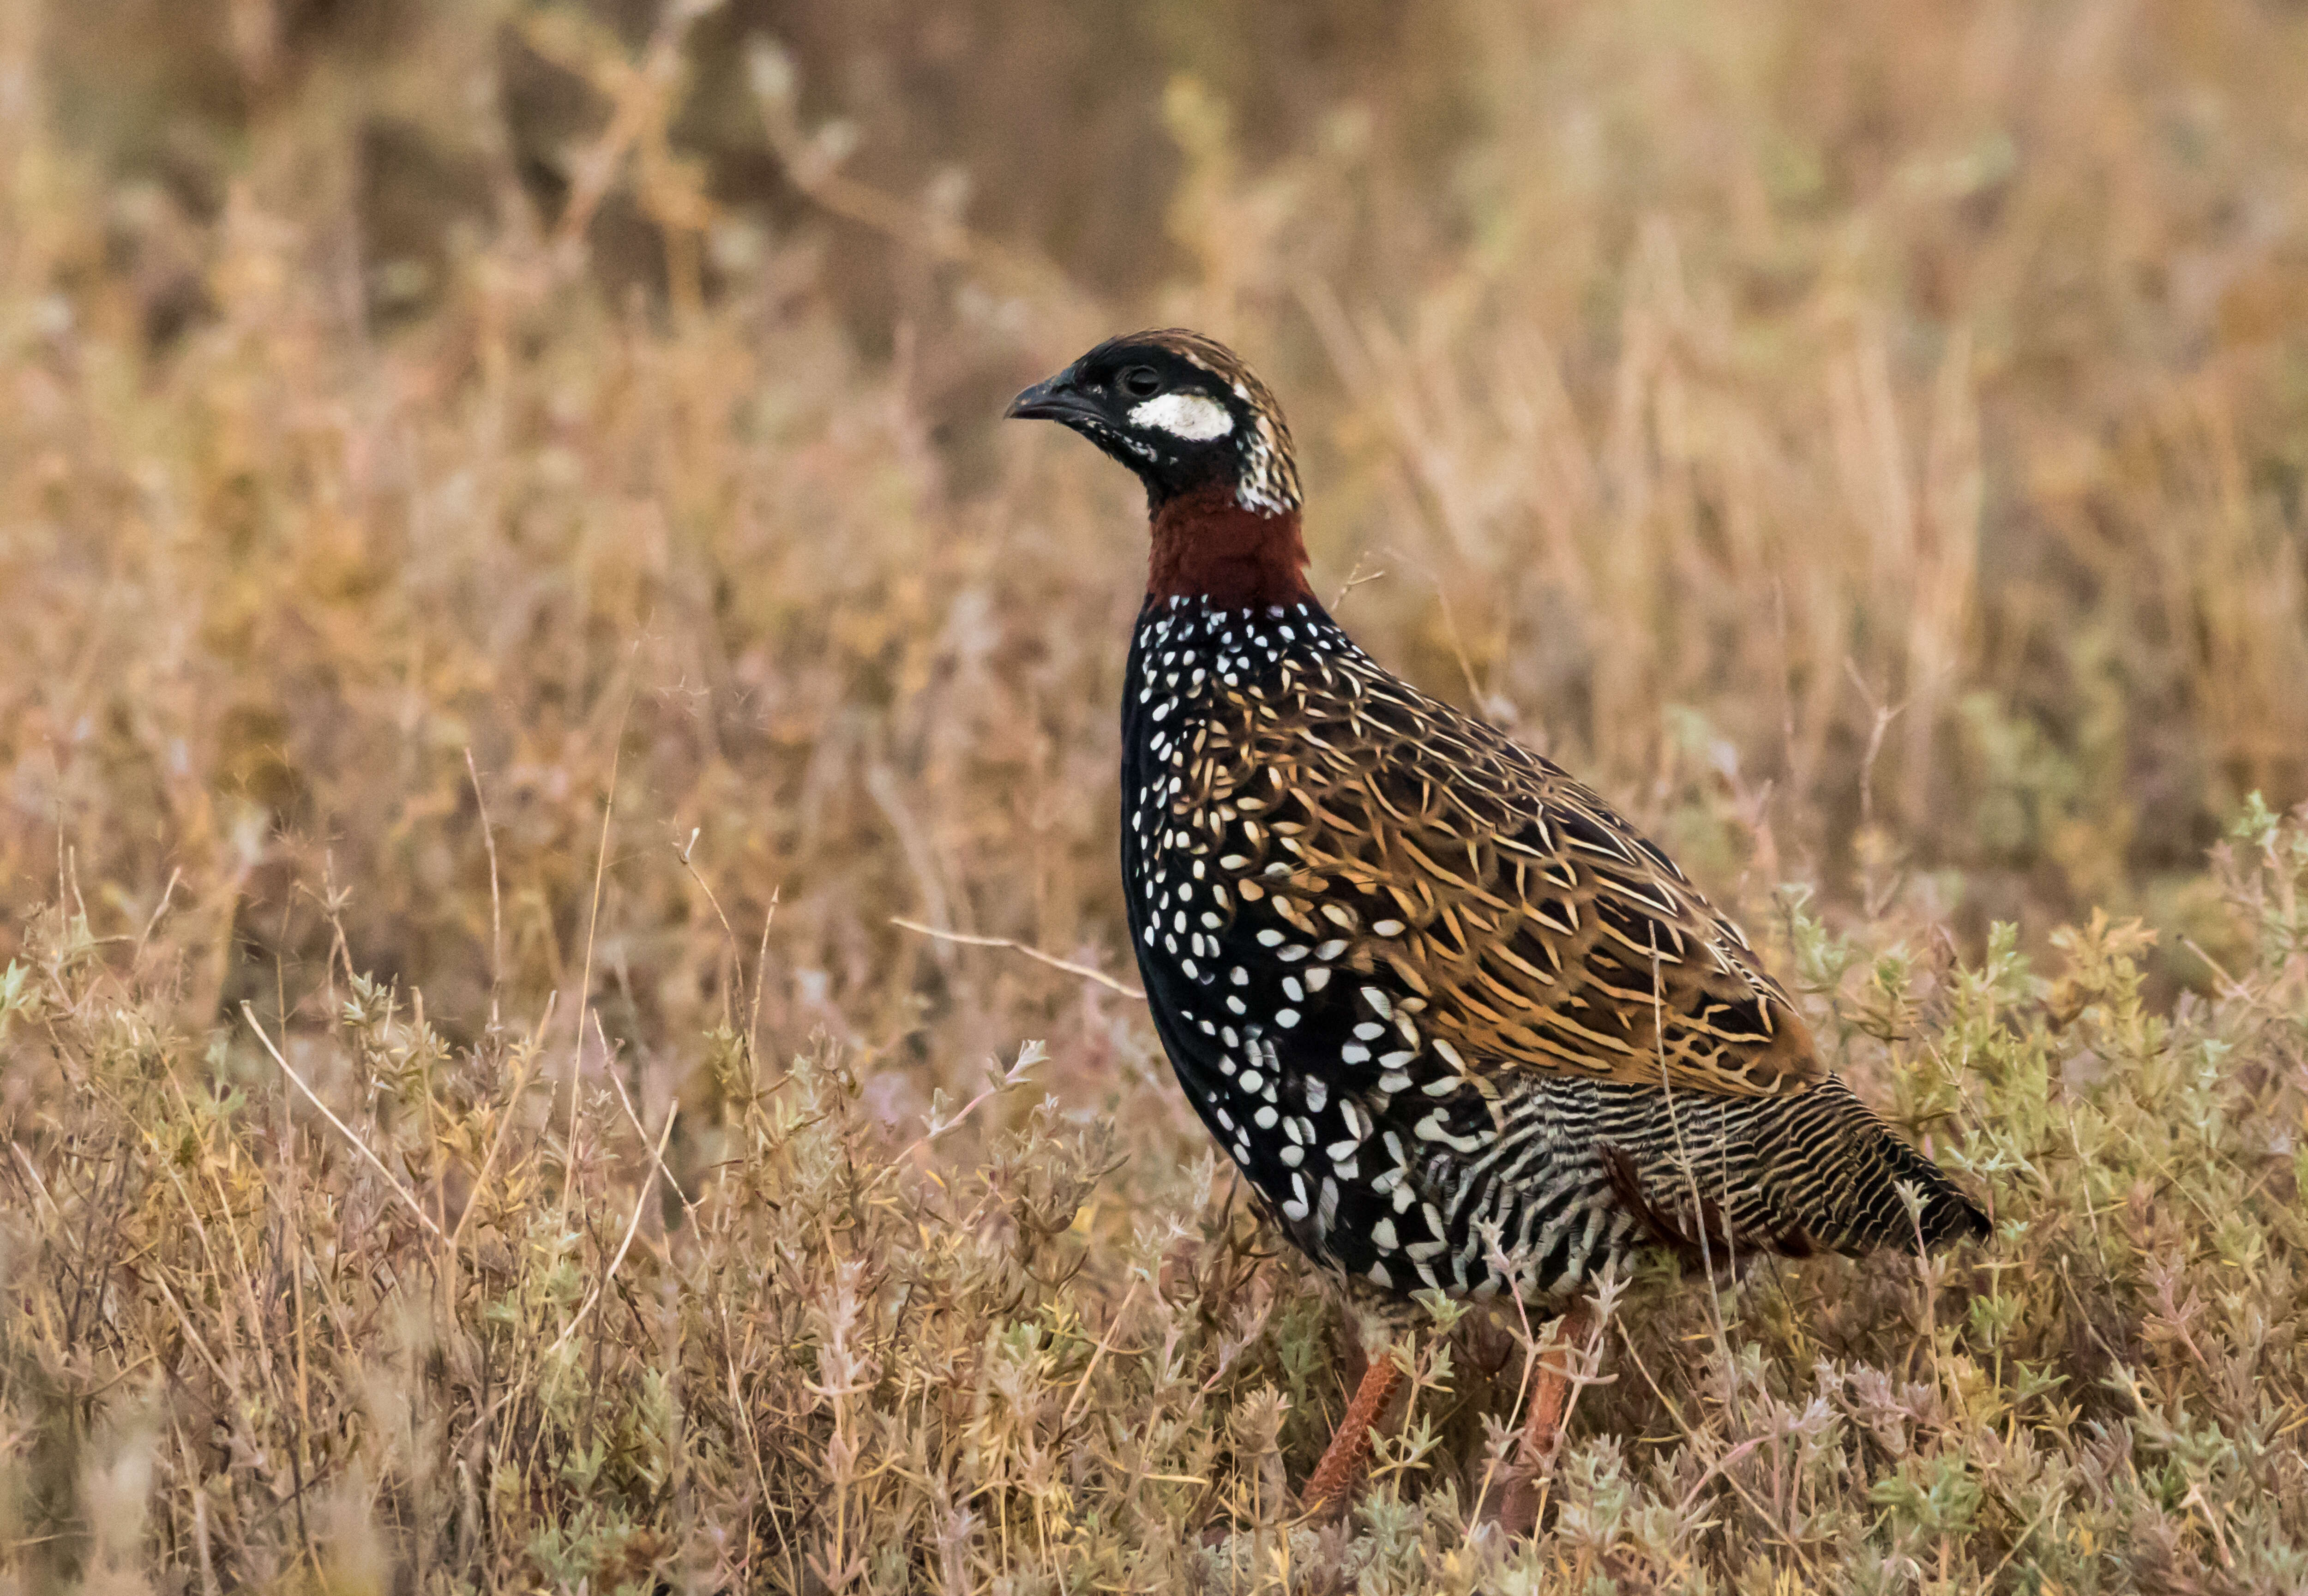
(1081, 1386)
(2230, 986)
(1884, 716)
(1030, 1054)
(1354, 578)
(161, 908)
(1690, 1497)
(39, 1185)
(705, 887)
(496, 908)
(184, 1323)
(401, 1191)
(2017, 1542)
(592, 924)
(761, 979)
(625, 1099)
(641, 1205)
(1051, 959)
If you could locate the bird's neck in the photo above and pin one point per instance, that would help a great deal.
(1207, 545)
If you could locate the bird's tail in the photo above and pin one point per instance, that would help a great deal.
(1814, 1171)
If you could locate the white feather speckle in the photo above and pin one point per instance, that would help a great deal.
(1188, 416)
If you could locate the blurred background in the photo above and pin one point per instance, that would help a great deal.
(1865, 441)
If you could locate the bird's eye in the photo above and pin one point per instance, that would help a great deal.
(1140, 381)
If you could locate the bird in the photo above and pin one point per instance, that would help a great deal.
(1462, 1027)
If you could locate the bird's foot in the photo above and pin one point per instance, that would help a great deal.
(1542, 1434)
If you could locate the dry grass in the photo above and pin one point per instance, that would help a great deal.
(514, 587)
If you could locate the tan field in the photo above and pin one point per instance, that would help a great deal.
(566, 1024)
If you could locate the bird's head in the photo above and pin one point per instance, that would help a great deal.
(1182, 412)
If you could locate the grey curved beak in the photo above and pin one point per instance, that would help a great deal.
(1057, 400)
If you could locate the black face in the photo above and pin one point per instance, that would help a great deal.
(1180, 411)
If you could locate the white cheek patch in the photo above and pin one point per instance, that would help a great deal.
(1185, 416)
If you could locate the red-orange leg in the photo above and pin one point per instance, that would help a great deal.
(1542, 1430)
(1341, 1469)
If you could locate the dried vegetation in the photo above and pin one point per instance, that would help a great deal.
(513, 589)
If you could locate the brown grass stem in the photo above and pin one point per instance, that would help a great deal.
(1071, 968)
(407, 1199)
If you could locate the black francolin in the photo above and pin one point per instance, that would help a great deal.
(1443, 1006)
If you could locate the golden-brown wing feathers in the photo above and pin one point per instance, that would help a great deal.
(1524, 924)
